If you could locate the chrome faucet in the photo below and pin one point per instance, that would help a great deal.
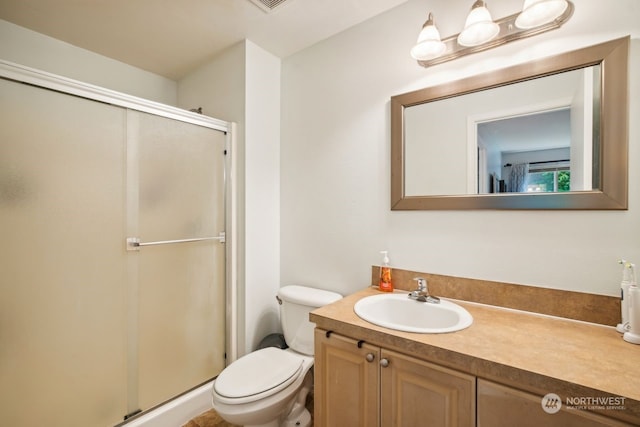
(422, 293)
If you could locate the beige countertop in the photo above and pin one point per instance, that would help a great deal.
(539, 353)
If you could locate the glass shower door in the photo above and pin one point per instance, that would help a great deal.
(93, 329)
(62, 271)
(176, 209)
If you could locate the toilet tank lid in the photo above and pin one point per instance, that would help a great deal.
(307, 296)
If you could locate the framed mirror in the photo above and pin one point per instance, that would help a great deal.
(549, 134)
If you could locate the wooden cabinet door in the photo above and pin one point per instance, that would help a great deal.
(346, 382)
(418, 393)
(502, 406)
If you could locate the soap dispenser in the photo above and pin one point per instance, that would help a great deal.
(628, 277)
(385, 284)
(632, 330)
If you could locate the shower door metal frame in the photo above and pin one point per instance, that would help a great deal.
(31, 76)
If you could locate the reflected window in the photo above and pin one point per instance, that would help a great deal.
(549, 181)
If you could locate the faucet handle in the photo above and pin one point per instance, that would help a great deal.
(422, 283)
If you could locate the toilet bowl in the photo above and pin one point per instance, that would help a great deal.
(262, 388)
(269, 387)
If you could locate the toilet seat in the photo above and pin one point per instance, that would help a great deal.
(257, 375)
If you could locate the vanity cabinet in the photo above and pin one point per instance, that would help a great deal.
(503, 406)
(347, 382)
(359, 384)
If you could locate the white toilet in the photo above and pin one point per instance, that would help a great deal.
(269, 387)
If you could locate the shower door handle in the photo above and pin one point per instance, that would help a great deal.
(134, 244)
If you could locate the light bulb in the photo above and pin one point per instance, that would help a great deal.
(479, 27)
(429, 45)
(540, 12)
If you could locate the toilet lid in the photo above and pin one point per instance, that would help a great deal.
(266, 369)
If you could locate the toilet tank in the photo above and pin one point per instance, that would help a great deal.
(296, 302)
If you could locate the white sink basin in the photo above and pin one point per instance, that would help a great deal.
(398, 311)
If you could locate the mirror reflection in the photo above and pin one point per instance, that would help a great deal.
(539, 135)
(454, 146)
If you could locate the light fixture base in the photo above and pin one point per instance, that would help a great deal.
(508, 33)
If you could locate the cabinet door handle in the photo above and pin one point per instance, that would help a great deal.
(370, 357)
(384, 362)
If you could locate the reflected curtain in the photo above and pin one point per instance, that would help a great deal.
(518, 178)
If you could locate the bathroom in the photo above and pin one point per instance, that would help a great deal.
(313, 198)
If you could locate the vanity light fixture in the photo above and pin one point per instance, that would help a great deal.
(481, 32)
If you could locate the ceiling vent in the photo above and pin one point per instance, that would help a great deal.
(268, 5)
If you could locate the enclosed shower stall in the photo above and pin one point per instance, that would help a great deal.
(112, 252)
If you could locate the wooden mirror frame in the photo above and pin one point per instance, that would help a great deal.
(613, 178)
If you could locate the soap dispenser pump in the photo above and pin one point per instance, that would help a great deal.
(632, 333)
(628, 277)
(385, 284)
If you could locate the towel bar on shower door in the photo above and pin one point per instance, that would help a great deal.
(134, 244)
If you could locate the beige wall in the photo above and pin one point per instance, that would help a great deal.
(335, 163)
(35, 50)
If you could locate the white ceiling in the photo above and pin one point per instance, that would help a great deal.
(172, 37)
(530, 132)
